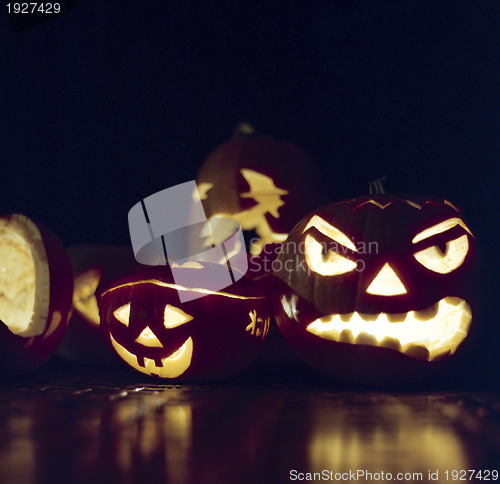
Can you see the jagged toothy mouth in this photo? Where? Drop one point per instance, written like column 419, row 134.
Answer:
column 171, row 367
column 428, row 334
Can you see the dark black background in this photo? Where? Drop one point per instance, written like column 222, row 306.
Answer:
column 115, row 100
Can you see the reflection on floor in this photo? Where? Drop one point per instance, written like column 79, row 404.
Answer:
column 97, row 427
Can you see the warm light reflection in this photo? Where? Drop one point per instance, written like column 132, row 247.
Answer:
column 177, row 427
column 384, row 434
column 123, row 419
column 18, row 460
column 152, row 435
column 426, row 334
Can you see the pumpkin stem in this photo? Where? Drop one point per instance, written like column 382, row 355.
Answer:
column 243, row 129
column 377, row 186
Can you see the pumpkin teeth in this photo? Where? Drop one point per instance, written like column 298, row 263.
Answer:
column 346, row 336
column 368, row 316
column 443, row 354
column 430, row 312
column 345, row 317
column 396, row 317
column 141, row 361
column 365, row 338
column 391, row 343
column 427, row 334
column 454, row 301
column 417, row 351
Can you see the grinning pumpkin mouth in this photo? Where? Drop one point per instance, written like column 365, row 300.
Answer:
column 170, row 367
column 428, row 334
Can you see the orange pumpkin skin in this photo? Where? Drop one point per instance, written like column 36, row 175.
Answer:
column 20, row 354
column 94, row 268
column 336, row 313
column 209, row 338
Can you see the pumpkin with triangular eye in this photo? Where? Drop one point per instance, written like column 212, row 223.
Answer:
column 210, row 335
column 377, row 288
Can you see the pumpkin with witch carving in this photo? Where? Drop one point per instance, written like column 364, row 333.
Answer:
column 265, row 183
column 377, row 288
column 205, row 335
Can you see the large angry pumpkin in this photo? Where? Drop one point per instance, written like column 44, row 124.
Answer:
column 265, row 183
column 36, row 283
column 214, row 335
column 377, row 286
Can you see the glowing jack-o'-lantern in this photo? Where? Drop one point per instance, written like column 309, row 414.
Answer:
column 36, row 284
column 94, row 268
column 375, row 285
column 210, row 337
column 266, row 184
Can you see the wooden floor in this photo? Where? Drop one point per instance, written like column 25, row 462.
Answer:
column 68, row 424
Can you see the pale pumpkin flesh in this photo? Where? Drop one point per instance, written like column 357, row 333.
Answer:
column 24, row 277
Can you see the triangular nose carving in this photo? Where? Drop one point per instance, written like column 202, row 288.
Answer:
column 386, row 283
column 148, row 338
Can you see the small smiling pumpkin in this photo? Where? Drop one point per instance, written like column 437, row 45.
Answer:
column 377, row 288
column 214, row 335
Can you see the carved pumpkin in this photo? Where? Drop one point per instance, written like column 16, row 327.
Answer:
column 209, row 337
column 377, row 286
column 94, row 268
column 36, row 284
column 265, row 183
